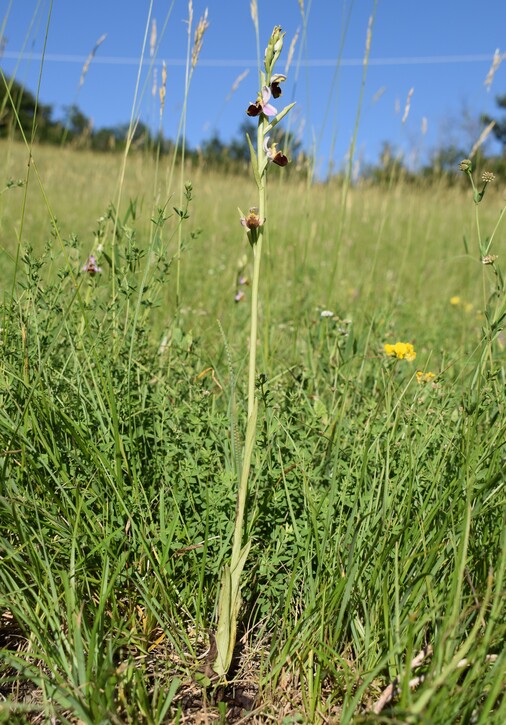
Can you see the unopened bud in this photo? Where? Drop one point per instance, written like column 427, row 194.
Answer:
column 466, row 165
column 273, row 50
column 278, row 45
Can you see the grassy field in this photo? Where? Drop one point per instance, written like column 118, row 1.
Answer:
column 374, row 588
column 239, row 488
column 397, row 249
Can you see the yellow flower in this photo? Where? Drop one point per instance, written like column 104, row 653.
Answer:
column 422, row 377
column 455, row 300
column 401, row 350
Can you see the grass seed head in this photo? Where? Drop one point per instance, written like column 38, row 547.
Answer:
column 90, row 58
column 496, row 62
column 198, row 38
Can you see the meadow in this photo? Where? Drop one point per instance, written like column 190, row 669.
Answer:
column 348, row 450
column 377, row 503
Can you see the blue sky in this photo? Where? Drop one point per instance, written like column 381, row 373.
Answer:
column 442, row 49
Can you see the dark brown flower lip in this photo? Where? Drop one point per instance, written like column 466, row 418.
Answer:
column 262, row 104
column 280, row 159
column 277, row 157
column 276, row 89
column 254, row 109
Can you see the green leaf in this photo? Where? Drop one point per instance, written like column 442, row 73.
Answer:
column 228, row 609
column 278, row 118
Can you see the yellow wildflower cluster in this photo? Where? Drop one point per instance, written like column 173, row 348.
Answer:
column 401, row 350
column 456, row 301
column 422, row 377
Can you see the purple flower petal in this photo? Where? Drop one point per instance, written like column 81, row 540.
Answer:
column 269, row 110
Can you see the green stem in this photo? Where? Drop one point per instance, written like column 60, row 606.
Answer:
column 257, row 256
column 478, row 230
column 242, row 493
column 230, row 596
column 250, row 432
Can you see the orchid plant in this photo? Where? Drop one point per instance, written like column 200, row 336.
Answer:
column 254, row 223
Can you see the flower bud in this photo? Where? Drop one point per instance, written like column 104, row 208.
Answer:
column 278, row 45
column 273, row 50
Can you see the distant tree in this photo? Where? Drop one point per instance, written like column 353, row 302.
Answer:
column 76, row 121
column 499, row 129
column 104, row 139
column 390, row 165
column 447, row 159
column 77, row 127
column 15, row 100
column 214, row 151
column 239, row 148
column 142, row 136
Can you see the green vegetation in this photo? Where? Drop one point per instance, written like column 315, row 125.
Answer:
column 374, row 585
column 377, row 501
